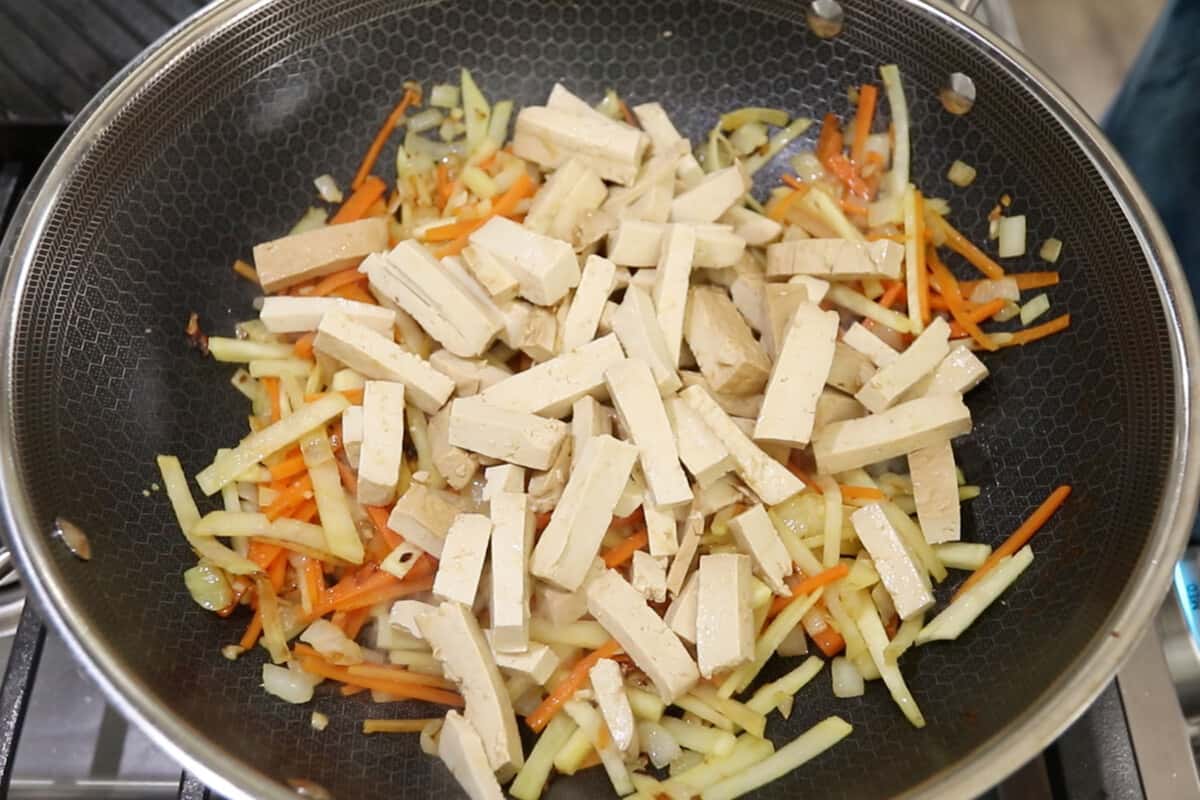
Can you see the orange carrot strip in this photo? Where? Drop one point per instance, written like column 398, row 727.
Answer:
column 263, row 553
column 893, row 293
column 246, row 271
column 303, row 348
column 355, row 620
column 272, row 387
column 314, row 583
column 565, row 688
column 860, row 493
column 389, row 672
column 288, row 468
column 505, row 205
column 841, row 168
column 411, row 98
column 356, row 293
column 443, row 186
column 397, row 688
column 451, row 231
column 289, row 498
column 868, row 94
column 807, row 586
column 619, row 553
column 305, row 512
column 277, row 571
column 1025, row 281
column 779, row 209
column 409, row 586
column 253, row 631
column 331, row 283
column 978, row 314
column 357, row 204
column 944, row 280
column 830, row 140
column 379, row 517
column 961, row 245
column 1040, row 331
column 819, row 627
column 1020, row 536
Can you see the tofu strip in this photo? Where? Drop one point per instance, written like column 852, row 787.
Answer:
column 461, row 564
column 514, row 436
column 671, row 286
column 383, row 443
column 921, row 358
column 897, row 431
column 790, row 403
column 724, row 616
column 512, row 538
column 641, row 410
column 596, row 284
column 552, row 387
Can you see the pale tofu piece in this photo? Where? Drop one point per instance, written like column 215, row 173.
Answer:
column 756, row 229
column 681, row 614
column 776, row 450
column 404, row 613
column 715, row 194
column 382, row 442
column 583, row 318
column 513, row 436
column 662, row 532
column 920, row 359
column 634, row 493
column 501, row 284
column 699, row 448
column 470, row 375
column 738, row 405
column 896, row 567
column 836, row 259
column 566, row 548
column 546, row 487
column 765, row 476
column 456, row 465
column 571, row 190
column 790, row 403
column 423, row 517
column 512, row 539
column 880, row 352
column 461, row 562
column 560, row 606
column 655, row 203
column 935, row 491
column 901, row 429
column 671, row 281
column 833, row 406
column 724, row 614
column 640, row 409
column 606, row 319
column 352, row 434
column 552, row 387
column 460, row 748
column 538, row 662
column 638, row 243
column 457, row 642
column 850, row 369
column 691, row 529
column 642, row 634
column 663, row 136
column 285, row 314
column 531, row 329
column 303, row 256
column 549, row 138
column 503, row 478
column 960, row 372
column 717, row 495
column 649, row 576
column 609, row 690
column 636, row 325
column 780, row 301
column 756, row 536
column 379, row 358
column 748, row 292
column 588, row 419
column 730, row 358
column 545, row 268
column 563, row 99
column 817, row 288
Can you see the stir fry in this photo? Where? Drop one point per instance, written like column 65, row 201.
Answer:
column 569, row 431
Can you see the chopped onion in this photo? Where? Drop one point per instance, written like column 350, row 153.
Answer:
column 1009, row 311
column 808, row 167
column 961, row 174
column 313, row 218
column 444, row 95
column 748, row 138
column 429, row 737
column 846, row 680
column 331, row 642
column 425, row 120
column 794, row 644
column 1004, row 288
column 686, row 760
column 610, row 106
column 290, row 685
column 1035, row 308
column 658, row 744
column 1010, row 231
column 937, row 205
column 319, row 721
column 1051, row 250
column 328, row 189
column 208, row 586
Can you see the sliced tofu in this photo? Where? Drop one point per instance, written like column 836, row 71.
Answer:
column 654, row 648
column 352, row 434
column 636, row 325
column 649, row 576
column 738, row 405
column 960, row 372
column 640, row 409
column 662, row 531
column 609, row 690
column 765, row 476
column 780, row 301
column 778, row 451
column 460, row 748
column 303, row 256
column 730, row 358
column 588, row 419
column 835, row 259
column 633, row 495
column 833, row 406
column 470, row 375
column 671, row 281
column 699, row 448
column 552, row 387
column 754, row 228
column 382, row 443
column 501, row 284
column 563, row 99
column 423, row 517
column 597, row 283
column 637, row 243
column 378, row 357
column 663, row 136
column 404, row 613
column 748, row 292
column 566, row 548
column 790, row 403
column 461, row 562
column 503, row 478
column 531, row 329
column 717, row 495
column 724, row 615
column 544, row 267
column 880, row 352
column 850, row 369
column 817, row 288
column 563, row 607
column 457, row 642
column 920, row 359
column 715, row 194
column 456, row 465
column 513, row 436
column 897, row 570
column 538, row 662
column 899, row 430
column 512, row 539
column 691, row 529
column 300, row 314
column 571, row 190
column 655, row 203
column 681, row 614
column 546, row 487
column 550, row 138
column 935, row 491
column 756, row 537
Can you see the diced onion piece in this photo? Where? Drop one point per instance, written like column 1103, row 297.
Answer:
column 328, row 189
column 429, row 737
column 532, row 778
column 988, row 290
column 959, row 615
column 1010, row 232
column 810, row 744
column 961, row 174
column 208, row 586
column 1009, row 311
column 1051, row 249
column 444, row 95
column 332, row 643
column 659, row 744
column 425, row 120
column 318, row 721
column 289, row 685
column 1035, row 308
column 963, row 555
column 312, row 219
column 846, row 680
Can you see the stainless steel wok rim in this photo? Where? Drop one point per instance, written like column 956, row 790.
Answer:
column 1005, row 752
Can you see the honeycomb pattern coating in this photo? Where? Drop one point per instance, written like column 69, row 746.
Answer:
column 219, row 153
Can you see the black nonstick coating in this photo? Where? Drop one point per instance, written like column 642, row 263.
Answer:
column 219, row 153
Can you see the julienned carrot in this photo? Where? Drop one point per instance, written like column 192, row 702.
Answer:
column 277, row 570
column 1020, row 536
column 295, row 494
column 303, row 348
column 778, row 210
column 830, row 139
column 390, row 672
column 819, row 627
column 355, row 396
column 565, row 688
column 807, row 586
column 412, row 97
column 396, row 688
column 868, row 94
column 305, row 512
column 253, row 630
column 979, row 313
column 288, row 468
column 337, row 280
column 409, row 586
column 314, row 583
column 355, row 620
column 948, row 286
column 963, row 246
column 443, row 187
column 1025, row 281
column 356, row 293
column 1040, row 331
column 379, row 518
column 860, row 492
column 505, row 206
column 263, row 553
column 619, row 553
column 893, row 293
column 841, row 168
column 272, row 387
column 357, row 205
column 451, row 230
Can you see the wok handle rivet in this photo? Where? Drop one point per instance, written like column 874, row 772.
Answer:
column 958, row 95
column 73, row 537
column 825, row 18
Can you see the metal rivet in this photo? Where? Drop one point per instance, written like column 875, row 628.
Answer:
column 958, row 96
column 306, row 788
column 74, row 538
column 825, row 18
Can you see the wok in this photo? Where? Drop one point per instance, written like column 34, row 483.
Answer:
column 209, row 143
